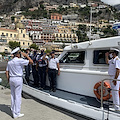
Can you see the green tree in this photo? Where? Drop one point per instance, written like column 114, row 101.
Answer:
column 47, row 51
column 63, row 45
column 13, row 18
column 13, row 44
column 81, row 33
column 82, row 27
column 109, row 32
column 34, row 46
column 42, row 6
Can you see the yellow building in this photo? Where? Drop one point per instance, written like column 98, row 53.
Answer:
column 65, row 34
column 18, row 35
column 19, row 18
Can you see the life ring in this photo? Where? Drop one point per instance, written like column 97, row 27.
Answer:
column 97, row 91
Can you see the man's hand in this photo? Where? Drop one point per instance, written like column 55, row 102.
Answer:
column 24, row 54
column 58, row 72
column 107, row 57
column 7, row 75
column 107, row 54
column 114, row 82
column 48, row 54
column 116, row 76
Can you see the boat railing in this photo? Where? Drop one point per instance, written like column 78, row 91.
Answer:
column 102, row 83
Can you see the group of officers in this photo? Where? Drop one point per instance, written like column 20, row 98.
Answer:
column 42, row 64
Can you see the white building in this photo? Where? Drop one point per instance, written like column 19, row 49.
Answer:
column 70, row 17
column 73, row 4
column 65, row 6
column 82, row 5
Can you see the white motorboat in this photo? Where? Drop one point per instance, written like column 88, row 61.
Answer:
column 82, row 65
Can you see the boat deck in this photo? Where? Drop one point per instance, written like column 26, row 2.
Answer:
column 94, row 102
column 75, row 97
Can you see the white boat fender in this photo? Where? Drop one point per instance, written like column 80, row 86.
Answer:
column 0, row 80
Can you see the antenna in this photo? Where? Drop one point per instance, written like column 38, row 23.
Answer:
column 90, row 24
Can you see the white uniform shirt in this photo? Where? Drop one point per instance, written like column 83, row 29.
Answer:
column 53, row 63
column 113, row 64
column 15, row 67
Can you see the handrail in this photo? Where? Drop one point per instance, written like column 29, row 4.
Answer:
column 102, row 89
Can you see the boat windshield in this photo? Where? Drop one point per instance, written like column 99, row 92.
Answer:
column 73, row 57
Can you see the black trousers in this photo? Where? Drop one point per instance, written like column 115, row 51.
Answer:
column 52, row 78
column 27, row 73
column 42, row 76
column 35, row 75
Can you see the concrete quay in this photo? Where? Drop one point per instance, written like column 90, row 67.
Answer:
column 32, row 109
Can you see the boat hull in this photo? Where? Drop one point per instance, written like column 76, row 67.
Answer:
column 86, row 110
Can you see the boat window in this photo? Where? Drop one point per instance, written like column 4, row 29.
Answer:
column 73, row 57
column 99, row 56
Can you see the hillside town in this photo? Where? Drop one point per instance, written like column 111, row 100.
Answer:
column 52, row 27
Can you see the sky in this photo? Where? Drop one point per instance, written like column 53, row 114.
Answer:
column 111, row 2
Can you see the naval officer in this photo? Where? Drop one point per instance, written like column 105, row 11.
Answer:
column 114, row 73
column 14, row 73
column 53, row 64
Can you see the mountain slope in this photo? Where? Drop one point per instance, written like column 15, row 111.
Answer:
column 7, row 6
column 117, row 7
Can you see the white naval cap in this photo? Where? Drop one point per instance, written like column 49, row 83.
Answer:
column 115, row 49
column 15, row 50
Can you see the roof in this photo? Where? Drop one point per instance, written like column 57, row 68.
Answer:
column 9, row 30
column 96, row 44
column 56, row 14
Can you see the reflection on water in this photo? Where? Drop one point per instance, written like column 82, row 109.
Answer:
column 4, row 79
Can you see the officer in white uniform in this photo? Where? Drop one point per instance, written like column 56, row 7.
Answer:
column 53, row 64
column 14, row 73
column 113, row 71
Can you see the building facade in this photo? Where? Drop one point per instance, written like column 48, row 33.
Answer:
column 65, row 34
column 56, row 16
column 41, row 32
column 18, row 35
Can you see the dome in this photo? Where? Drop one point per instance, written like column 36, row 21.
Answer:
column 19, row 25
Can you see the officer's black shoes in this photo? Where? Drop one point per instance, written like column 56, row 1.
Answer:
column 50, row 90
column 40, row 88
column 54, row 89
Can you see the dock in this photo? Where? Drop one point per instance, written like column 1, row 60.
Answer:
column 32, row 109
